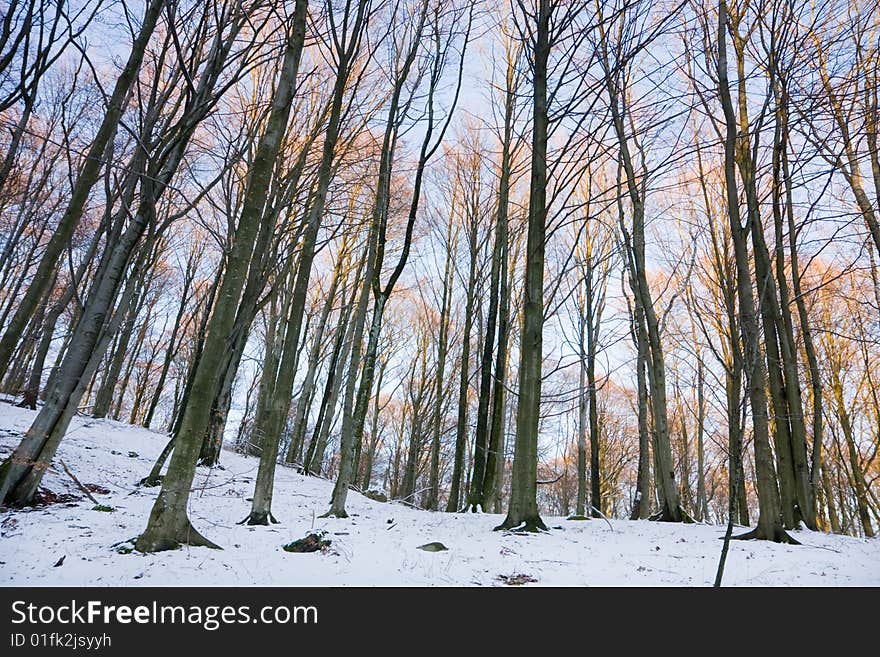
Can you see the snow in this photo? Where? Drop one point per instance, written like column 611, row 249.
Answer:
column 376, row 546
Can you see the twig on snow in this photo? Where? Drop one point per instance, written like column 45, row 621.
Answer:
column 78, row 484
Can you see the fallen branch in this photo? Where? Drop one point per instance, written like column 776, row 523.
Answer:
column 78, row 484
column 602, row 515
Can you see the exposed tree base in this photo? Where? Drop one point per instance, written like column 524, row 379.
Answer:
column 472, row 508
column 28, row 400
column 155, row 477
column 185, row 534
column 666, row 515
column 800, row 522
column 531, row 524
column 42, row 498
column 335, row 513
column 20, row 495
column 262, row 518
column 12, row 503
column 778, row 535
column 636, row 514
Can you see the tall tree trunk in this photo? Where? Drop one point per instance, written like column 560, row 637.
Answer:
column 859, row 485
column 495, row 454
column 353, row 424
column 169, row 525
column 634, row 185
column 482, row 484
column 782, row 194
column 595, row 461
column 171, row 351
column 769, row 517
column 642, row 504
column 461, row 428
column 581, row 499
column 523, row 510
column 306, row 392
column 442, row 347
column 702, row 502
column 282, row 390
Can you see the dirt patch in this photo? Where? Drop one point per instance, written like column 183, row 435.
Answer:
column 314, row 542
column 376, row 496
column 46, row 497
column 516, row 580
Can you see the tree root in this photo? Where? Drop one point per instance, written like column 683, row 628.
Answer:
column 665, row 515
column 151, row 481
column 186, row 534
column 28, row 400
column 532, row 524
column 779, row 536
column 254, row 518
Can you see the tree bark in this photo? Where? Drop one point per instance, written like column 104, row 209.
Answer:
column 169, row 526
column 523, row 509
column 769, row 518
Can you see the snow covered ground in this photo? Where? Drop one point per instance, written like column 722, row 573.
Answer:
column 376, row 546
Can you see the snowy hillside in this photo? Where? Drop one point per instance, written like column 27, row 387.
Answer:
column 376, row 546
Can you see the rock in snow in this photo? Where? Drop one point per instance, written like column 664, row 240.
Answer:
column 436, row 546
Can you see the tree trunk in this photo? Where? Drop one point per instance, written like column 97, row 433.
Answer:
column 171, row 351
column 642, row 504
column 495, row 455
column 282, row 390
column 307, row 390
column 455, row 493
column 523, row 510
column 442, row 346
column 169, row 525
column 86, row 180
column 859, row 485
column 453, row 502
column 769, row 518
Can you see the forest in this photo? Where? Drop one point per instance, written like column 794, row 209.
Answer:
column 610, row 259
